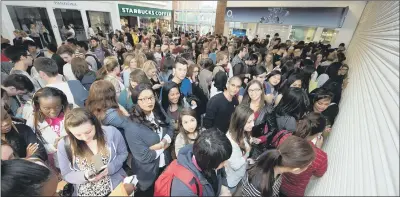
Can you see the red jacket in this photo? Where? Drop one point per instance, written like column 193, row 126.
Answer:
column 296, row 184
column 4, row 58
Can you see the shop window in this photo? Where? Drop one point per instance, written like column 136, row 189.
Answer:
column 99, row 21
column 302, row 33
column 34, row 21
column 66, row 17
column 328, row 36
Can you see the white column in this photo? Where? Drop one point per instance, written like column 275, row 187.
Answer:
column 7, row 26
column 350, row 23
column 317, row 34
column 54, row 24
column 85, row 22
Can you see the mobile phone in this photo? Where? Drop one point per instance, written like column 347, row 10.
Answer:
column 98, row 163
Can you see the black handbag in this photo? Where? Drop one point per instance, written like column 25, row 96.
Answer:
column 67, row 191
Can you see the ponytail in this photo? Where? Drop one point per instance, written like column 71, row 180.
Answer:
column 294, row 152
column 261, row 174
column 310, row 125
column 110, row 63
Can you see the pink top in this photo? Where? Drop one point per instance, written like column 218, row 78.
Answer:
column 55, row 123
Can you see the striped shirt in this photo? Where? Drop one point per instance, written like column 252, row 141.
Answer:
column 296, row 184
column 250, row 190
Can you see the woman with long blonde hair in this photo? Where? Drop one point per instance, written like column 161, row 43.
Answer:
column 110, row 72
column 149, row 67
column 130, row 64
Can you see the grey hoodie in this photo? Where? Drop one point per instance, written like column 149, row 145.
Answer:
column 180, row 189
column 118, row 153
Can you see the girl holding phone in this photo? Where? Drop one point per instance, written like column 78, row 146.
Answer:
column 91, row 156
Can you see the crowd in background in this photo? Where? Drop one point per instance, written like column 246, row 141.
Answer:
column 184, row 114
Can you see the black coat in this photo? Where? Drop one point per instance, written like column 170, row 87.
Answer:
column 20, row 139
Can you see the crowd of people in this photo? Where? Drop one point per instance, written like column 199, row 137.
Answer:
column 183, row 114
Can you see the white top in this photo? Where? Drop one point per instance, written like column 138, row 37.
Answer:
column 65, row 88
column 73, row 33
column 160, row 153
column 213, row 90
column 237, row 163
column 67, row 70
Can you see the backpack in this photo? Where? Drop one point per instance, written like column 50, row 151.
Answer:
column 163, row 185
column 95, row 58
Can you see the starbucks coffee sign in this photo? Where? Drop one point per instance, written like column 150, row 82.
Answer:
column 130, row 10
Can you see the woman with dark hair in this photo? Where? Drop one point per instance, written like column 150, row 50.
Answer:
column 149, row 135
column 294, row 81
column 204, row 54
column 136, row 77
column 80, row 68
column 264, row 119
column 192, row 75
column 271, row 88
column 172, row 100
column 308, row 70
column 188, row 129
column 264, row 178
column 321, row 100
column 21, row 177
column 21, row 138
column 310, row 128
column 259, row 74
column 102, row 102
column 293, row 105
column 47, row 119
column 219, row 85
column 239, row 134
column 205, row 159
column 287, row 69
column 167, row 64
column 91, row 156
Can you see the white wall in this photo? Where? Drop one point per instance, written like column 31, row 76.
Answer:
column 349, row 25
column 363, row 148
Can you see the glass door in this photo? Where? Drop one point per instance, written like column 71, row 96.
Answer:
column 33, row 21
column 70, row 24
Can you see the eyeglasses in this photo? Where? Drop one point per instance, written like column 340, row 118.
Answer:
column 254, row 90
column 147, row 99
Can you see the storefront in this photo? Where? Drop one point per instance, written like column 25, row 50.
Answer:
column 49, row 20
column 144, row 17
column 294, row 23
column 197, row 20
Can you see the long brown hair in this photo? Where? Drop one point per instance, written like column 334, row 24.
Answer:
column 294, row 152
column 191, row 70
column 79, row 67
column 110, row 63
column 246, row 97
column 77, row 117
column 186, row 112
column 310, row 125
column 236, row 127
column 102, row 96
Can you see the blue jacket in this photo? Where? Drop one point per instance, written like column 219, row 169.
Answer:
column 145, row 163
column 180, row 189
